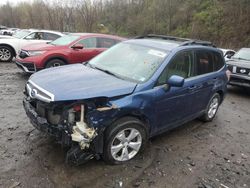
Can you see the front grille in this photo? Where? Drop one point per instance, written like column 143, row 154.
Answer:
column 23, row 54
column 29, row 66
column 35, row 91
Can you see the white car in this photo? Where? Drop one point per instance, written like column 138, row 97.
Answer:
column 10, row 45
column 227, row 53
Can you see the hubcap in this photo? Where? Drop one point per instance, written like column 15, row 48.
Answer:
column 126, row 144
column 213, row 108
column 55, row 65
column 5, row 54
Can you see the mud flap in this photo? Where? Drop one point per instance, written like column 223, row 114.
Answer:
column 75, row 156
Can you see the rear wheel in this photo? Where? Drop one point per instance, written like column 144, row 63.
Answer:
column 6, row 54
column 212, row 108
column 124, row 140
column 55, row 63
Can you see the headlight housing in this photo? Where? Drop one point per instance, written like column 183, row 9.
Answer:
column 36, row 53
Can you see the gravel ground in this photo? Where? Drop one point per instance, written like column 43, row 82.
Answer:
column 203, row 155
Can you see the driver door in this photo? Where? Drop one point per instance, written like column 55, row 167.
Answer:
column 89, row 50
column 172, row 103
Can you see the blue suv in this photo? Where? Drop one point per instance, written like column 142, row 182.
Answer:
column 110, row 106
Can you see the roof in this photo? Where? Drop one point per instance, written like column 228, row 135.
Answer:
column 168, row 43
column 97, row 34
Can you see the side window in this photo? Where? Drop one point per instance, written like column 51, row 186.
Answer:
column 105, row 42
column 180, row 65
column 50, row 36
column 35, row 36
column 89, row 42
column 218, row 61
column 204, row 62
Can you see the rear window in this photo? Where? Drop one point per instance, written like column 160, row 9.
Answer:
column 207, row 61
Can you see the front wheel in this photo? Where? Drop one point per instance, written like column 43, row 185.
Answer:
column 212, row 108
column 54, row 63
column 6, row 54
column 124, row 140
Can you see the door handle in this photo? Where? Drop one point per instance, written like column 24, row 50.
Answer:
column 194, row 87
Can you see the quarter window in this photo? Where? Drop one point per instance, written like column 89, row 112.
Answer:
column 180, row 65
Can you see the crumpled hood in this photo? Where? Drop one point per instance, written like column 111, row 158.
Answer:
column 239, row 63
column 75, row 82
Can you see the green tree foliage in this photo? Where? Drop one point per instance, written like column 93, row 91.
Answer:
column 224, row 22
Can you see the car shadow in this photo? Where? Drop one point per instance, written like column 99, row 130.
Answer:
column 239, row 91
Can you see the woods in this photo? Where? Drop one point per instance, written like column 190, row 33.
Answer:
column 224, row 22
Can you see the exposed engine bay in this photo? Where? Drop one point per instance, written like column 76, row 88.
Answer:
column 77, row 125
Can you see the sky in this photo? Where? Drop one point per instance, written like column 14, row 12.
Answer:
column 13, row 1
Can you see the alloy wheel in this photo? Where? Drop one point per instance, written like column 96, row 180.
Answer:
column 5, row 54
column 126, row 144
column 213, row 107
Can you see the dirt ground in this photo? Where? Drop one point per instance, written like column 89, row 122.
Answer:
column 202, row 155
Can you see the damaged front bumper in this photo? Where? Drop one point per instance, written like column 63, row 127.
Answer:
column 80, row 151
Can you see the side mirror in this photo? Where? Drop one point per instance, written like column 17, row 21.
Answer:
column 175, row 81
column 78, row 46
column 229, row 56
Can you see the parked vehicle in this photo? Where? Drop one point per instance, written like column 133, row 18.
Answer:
column 69, row 49
column 110, row 106
column 8, row 31
column 239, row 65
column 10, row 45
column 227, row 53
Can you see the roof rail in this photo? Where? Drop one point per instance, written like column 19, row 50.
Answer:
column 165, row 37
column 198, row 42
column 185, row 41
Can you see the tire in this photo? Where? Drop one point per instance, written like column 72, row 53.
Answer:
column 212, row 108
column 122, row 150
column 54, row 63
column 6, row 54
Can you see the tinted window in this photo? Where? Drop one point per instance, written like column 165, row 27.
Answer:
column 89, row 42
column 180, row 65
column 218, row 61
column 106, row 42
column 207, row 62
column 204, row 62
column 50, row 36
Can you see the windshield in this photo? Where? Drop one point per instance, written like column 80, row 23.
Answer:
column 130, row 61
column 21, row 34
column 65, row 40
column 243, row 54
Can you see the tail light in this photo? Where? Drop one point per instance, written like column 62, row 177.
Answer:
column 77, row 108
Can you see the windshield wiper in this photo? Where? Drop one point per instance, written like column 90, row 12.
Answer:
column 106, row 71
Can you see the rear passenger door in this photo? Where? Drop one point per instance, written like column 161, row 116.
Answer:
column 204, row 80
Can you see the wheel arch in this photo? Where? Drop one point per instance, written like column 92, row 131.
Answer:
column 9, row 46
column 221, row 93
column 56, row 57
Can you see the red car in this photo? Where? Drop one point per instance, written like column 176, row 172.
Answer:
column 69, row 49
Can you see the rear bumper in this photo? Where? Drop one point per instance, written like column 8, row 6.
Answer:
column 240, row 80
column 27, row 67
